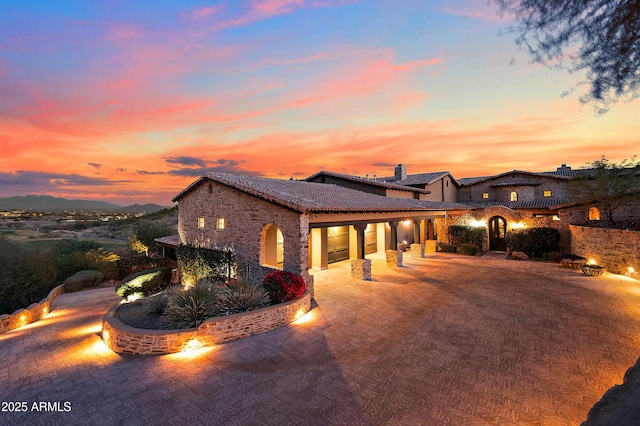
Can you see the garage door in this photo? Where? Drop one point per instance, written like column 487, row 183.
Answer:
column 370, row 239
column 338, row 243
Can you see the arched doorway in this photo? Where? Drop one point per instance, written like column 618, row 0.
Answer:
column 272, row 247
column 497, row 232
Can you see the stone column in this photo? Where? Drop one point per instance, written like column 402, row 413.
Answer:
column 360, row 227
column 416, row 231
column 394, row 235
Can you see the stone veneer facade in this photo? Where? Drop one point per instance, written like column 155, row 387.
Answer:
column 615, row 249
column 524, row 218
column 122, row 338
column 33, row 313
column 246, row 218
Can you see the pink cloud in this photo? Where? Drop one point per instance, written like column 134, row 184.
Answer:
column 202, row 13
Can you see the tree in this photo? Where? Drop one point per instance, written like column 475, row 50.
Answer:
column 599, row 37
column 609, row 185
column 144, row 234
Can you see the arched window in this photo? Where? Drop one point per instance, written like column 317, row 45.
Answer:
column 514, row 196
column 594, row 213
column 272, row 246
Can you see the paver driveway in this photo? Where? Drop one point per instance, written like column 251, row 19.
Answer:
column 444, row 340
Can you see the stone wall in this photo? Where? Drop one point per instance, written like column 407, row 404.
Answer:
column 33, row 313
column 533, row 191
column 615, row 249
column 122, row 338
column 246, row 217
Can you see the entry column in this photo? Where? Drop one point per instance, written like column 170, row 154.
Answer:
column 393, row 255
column 360, row 267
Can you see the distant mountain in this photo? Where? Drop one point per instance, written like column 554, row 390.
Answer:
column 49, row 203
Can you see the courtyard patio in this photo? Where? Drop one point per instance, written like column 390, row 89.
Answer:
column 448, row 339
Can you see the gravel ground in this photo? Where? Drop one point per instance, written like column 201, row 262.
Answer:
column 142, row 313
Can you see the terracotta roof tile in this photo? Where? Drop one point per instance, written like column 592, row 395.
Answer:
column 305, row 196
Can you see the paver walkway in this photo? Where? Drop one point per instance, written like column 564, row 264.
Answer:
column 444, row 340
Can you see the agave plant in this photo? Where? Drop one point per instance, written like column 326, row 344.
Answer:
column 241, row 295
column 189, row 308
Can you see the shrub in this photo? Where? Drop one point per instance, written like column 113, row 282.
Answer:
column 534, row 241
column 142, row 240
column 26, row 276
column 459, row 234
column 82, row 280
column 468, row 249
column 145, row 283
column 197, row 263
column 447, row 248
column 241, row 295
column 282, row 286
column 73, row 255
column 134, row 264
column 190, row 308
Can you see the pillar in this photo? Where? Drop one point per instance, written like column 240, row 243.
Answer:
column 394, row 235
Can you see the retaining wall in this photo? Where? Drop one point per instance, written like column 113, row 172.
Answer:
column 33, row 313
column 122, row 338
column 615, row 249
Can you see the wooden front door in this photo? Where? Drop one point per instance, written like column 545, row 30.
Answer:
column 338, row 243
column 497, row 232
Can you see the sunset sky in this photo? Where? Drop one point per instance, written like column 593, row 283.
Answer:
column 131, row 101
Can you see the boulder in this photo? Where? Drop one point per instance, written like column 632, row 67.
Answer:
column 518, row 255
column 83, row 279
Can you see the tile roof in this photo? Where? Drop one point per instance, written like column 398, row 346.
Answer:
column 170, row 240
column 550, row 204
column 305, row 196
column 374, row 182
column 515, row 183
column 473, row 180
column 420, row 178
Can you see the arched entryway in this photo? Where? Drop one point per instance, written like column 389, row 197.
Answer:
column 497, row 232
column 272, row 246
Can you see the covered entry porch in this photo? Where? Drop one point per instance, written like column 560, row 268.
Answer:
column 336, row 237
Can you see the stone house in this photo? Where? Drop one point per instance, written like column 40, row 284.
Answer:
column 297, row 225
column 441, row 186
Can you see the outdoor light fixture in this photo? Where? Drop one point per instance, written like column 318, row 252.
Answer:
column 477, row 223
column 517, row 225
column 406, row 222
column 193, row 344
column 592, row 262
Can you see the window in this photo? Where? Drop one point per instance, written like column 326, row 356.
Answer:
column 485, row 195
column 201, row 222
column 594, row 213
column 220, row 223
column 514, row 196
column 547, row 193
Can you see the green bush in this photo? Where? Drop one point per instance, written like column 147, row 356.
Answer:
column 534, row 241
column 145, row 283
column 196, row 263
column 447, row 248
column 460, row 234
column 189, row 308
column 134, row 264
column 26, row 276
column 73, row 255
column 468, row 249
column 241, row 295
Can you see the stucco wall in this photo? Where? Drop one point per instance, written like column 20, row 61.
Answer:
column 245, row 218
column 615, row 249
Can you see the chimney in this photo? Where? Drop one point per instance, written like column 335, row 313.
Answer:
column 400, row 172
column 563, row 170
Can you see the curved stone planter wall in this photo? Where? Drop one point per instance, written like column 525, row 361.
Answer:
column 122, row 338
column 33, row 313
